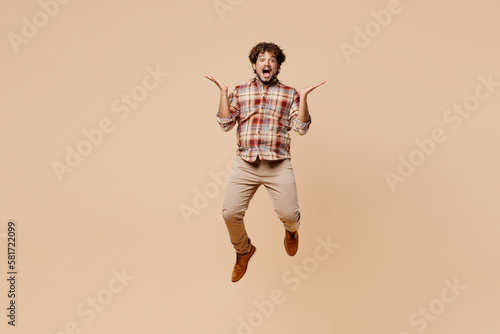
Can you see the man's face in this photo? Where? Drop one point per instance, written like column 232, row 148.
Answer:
column 266, row 67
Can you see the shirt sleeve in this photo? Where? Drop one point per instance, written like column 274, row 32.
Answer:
column 228, row 123
column 297, row 125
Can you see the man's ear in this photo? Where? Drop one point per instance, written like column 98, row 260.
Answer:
column 254, row 66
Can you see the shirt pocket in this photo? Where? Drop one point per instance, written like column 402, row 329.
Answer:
column 247, row 111
column 279, row 114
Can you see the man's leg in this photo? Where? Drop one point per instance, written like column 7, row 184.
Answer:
column 243, row 184
column 279, row 181
column 241, row 187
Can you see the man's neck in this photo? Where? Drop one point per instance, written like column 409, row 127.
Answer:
column 270, row 83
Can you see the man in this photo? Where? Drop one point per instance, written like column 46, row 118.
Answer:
column 265, row 111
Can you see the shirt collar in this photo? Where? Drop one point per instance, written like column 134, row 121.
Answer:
column 261, row 86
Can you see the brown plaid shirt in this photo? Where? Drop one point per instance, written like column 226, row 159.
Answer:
column 264, row 115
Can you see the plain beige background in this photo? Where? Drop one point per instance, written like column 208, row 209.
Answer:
column 121, row 208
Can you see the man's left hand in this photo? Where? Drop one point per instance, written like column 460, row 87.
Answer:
column 309, row 89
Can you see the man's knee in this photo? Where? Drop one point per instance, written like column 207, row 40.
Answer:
column 232, row 215
column 289, row 217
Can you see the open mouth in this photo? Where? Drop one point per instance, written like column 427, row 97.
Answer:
column 266, row 72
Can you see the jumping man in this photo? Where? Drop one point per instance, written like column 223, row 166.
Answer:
column 265, row 110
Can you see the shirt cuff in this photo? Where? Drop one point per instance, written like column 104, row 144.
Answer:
column 225, row 120
column 302, row 125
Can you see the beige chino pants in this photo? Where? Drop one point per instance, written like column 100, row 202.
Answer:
column 277, row 176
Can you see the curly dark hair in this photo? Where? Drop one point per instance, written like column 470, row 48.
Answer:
column 267, row 47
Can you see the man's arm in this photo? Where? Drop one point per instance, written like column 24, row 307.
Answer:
column 303, row 114
column 223, row 104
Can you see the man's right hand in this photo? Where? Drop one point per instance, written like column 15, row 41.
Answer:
column 219, row 83
column 224, row 104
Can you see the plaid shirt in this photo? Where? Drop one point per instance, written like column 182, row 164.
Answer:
column 264, row 116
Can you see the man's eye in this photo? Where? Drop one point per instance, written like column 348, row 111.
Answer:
column 272, row 60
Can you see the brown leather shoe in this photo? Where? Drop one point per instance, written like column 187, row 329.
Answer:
column 240, row 267
column 291, row 242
